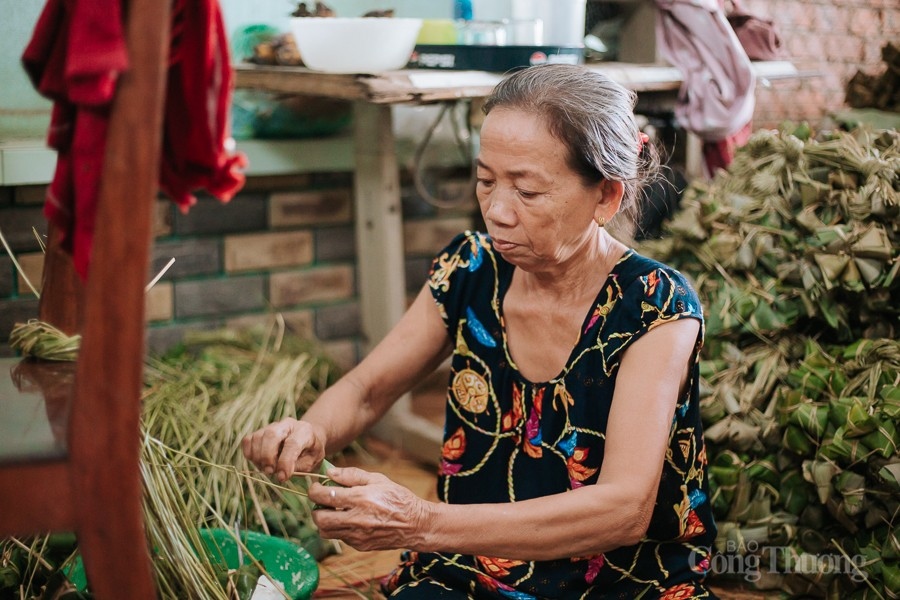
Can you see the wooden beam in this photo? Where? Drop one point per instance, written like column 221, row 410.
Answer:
column 105, row 439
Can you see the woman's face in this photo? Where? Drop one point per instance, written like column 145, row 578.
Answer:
column 537, row 210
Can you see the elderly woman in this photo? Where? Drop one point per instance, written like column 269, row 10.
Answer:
column 573, row 464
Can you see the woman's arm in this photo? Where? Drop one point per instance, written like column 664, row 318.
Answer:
column 589, row 520
column 411, row 350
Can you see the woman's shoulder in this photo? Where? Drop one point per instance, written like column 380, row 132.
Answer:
column 470, row 249
column 636, row 266
column 656, row 282
column 467, row 243
column 469, row 256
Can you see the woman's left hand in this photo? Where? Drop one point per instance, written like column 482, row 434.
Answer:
column 371, row 511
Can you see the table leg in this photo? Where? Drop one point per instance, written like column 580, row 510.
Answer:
column 380, row 264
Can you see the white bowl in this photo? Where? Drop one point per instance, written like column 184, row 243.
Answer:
column 355, row 45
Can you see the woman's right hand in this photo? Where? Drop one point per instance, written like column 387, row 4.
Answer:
column 285, row 447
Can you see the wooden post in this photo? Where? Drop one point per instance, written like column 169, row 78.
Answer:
column 62, row 293
column 379, row 242
column 104, row 432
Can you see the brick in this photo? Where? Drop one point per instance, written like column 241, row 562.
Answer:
column 812, row 45
column 865, row 22
column 162, row 339
column 160, row 302
column 335, row 243
column 797, row 17
column 245, row 212
column 192, row 257
column 429, row 236
column 162, row 218
column 298, row 322
column 249, row 322
column 331, row 179
column 32, row 265
column 311, row 285
column 29, row 195
column 344, row 353
column 16, row 311
column 871, row 54
column 269, row 183
column 219, row 296
column 268, row 250
column 7, row 276
column 321, row 207
column 826, row 15
column 17, row 227
column 340, row 321
column 891, row 23
column 846, row 47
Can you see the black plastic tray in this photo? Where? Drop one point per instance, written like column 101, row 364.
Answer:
column 491, row 58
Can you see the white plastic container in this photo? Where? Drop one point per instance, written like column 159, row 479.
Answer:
column 563, row 20
column 355, row 45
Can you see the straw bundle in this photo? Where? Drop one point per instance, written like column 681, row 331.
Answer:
column 206, row 396
column 794, row 252
column 199, row 401
column 42, row 340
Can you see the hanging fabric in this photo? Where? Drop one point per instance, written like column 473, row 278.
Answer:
column 75, row 57
column 716, row 99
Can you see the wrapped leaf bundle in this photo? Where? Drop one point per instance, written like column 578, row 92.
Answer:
column 794, row 251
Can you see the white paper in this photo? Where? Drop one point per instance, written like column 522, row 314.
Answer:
column 265, row 589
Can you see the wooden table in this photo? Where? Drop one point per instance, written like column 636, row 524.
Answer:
column 378, row 219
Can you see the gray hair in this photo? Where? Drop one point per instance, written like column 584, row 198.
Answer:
column 592, row 115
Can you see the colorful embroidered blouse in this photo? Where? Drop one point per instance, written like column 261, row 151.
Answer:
column 508, row 439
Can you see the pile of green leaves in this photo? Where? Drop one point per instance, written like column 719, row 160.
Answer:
column 794, row 252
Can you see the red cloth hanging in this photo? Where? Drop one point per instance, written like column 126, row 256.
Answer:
column 75, row 57
column 198, row 100
column 716, row 99
column 718, row 154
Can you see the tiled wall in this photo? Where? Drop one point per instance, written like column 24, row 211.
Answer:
column 829, row 40
column 284, row 244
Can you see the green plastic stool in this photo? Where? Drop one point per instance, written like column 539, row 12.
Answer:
column 285, row 561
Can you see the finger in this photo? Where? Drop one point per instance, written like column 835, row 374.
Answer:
column 247, row 446
column 253, row 453
column 329, row 523
column 353, row 476
column 256, row 449
column 270, row 442
column 291, row 452
column 327, row 495
column 308, row 461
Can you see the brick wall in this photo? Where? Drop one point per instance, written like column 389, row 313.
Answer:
column 830, row 39
column 284, row 244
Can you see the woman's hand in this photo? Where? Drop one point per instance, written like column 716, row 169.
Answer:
column 372, row 512
column 285, row 447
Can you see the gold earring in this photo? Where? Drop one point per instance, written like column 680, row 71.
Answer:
column 601, row 221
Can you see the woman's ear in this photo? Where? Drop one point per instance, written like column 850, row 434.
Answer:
column 611, row 194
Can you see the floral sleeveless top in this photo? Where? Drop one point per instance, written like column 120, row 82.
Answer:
column 508, row 439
